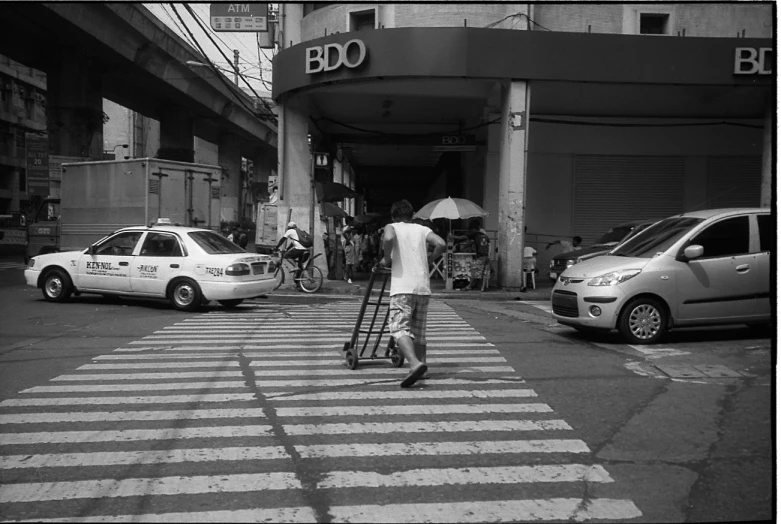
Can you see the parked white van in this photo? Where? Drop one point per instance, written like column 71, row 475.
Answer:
column 699, row 268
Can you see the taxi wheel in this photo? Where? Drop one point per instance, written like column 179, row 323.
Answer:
column 186, row 295
column 643, row 321
column 57, row 286
column 231, row 303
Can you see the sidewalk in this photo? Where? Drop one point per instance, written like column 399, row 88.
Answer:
column 361, row 280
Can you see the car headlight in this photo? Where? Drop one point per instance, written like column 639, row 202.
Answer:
column 237, row 270
column 614, row 277
column 552, row 264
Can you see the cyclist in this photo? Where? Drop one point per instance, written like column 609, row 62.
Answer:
column 293, row 248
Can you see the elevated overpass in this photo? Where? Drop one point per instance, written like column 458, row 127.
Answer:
column 122, row 52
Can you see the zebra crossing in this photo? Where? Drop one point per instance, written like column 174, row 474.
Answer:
column 250, row 415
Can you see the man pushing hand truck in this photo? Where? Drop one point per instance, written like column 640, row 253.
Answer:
column 405, row 251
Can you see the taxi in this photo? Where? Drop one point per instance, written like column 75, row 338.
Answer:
column 184, row 265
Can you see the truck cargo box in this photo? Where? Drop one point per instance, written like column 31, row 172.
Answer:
column 98, row 198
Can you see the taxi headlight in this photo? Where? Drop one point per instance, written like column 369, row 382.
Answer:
column 614, row 277
column 237, row 270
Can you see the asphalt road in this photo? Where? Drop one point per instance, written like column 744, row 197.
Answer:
column 679, row 432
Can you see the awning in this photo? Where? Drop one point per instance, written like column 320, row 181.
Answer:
column 333, row 192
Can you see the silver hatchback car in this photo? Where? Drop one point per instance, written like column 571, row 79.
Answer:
column 699, row 268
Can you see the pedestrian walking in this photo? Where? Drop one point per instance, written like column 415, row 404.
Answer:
column 240, row 237
column 405, row 251
column 349, row 258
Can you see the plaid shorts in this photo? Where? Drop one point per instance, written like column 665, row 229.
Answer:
column 408, row 314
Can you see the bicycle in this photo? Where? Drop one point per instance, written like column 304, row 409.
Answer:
column 309, row 281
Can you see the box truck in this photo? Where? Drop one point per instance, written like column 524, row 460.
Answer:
column 97, row 198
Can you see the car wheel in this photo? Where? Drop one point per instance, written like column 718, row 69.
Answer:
column 231, row 303
column 57, row 286
column 643, row 321
column 186, row 295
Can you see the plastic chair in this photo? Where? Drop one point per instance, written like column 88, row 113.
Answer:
column 529, row 268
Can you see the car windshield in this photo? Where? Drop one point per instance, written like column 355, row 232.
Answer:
column 657, row 238
column 616, row 234
column 214, row 243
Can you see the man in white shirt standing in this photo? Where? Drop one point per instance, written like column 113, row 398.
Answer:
column 405, row 251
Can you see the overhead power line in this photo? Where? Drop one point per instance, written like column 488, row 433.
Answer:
column 201, row 25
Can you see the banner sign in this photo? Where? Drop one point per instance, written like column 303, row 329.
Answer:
column 37, row 164
column 251, row 17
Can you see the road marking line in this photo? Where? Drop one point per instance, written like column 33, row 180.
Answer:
column 303, row 354
column 475, row 447
column 267, row 363
column 572, row 509
column 120, row 416
column 283, row 396
column 432, row 427
column 417, row 409
column 146, row 487
column 468, row 475
column 169, row 346
column 128, row 458
column 169, row 399
column 149, row 376
column 132, row 435
column 370, row 370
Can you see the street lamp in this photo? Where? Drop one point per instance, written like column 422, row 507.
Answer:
column 120, row 145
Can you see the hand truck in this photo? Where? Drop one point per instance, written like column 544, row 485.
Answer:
column 352, row 352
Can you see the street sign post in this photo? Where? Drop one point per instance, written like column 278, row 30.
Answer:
column 249, row 17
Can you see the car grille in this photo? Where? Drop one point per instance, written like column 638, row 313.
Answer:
column 258, row 268
column 565, row 303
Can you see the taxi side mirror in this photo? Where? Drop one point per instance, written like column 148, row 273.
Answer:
column 93, row 249
column 692, row 252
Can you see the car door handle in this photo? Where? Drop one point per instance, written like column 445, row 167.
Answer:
column 742, row 268
column 124, row 263
column 174, row 266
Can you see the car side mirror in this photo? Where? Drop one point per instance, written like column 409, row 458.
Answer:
column 93, row 249
column 693, row 251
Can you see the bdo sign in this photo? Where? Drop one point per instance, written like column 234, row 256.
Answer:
column 332, row 56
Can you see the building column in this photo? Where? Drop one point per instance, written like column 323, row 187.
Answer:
column 176, row 134
column 766, row 193
column 75, row 107
column 512, row 182
column 296, row 194
column 229, row 158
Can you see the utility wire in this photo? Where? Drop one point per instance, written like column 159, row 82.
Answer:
column 270, row 115
column 219, row 75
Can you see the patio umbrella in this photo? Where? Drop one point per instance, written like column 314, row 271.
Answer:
column 332, row 210
column 366, row 218
column 451, row 208
column 333, row 192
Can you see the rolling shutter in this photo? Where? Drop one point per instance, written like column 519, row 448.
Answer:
column 734, row 181
column 610, row 190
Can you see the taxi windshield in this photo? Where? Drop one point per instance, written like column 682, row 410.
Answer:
column 656, row 239
column 214, row 243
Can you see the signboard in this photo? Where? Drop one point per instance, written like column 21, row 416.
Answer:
column 753, row 61
column 37, row 164
column 321, row 159
column 251, row 17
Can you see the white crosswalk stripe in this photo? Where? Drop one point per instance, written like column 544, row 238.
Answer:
column 254, row 413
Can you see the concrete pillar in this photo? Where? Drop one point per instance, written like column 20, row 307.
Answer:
column 229, row 158
column 292, row 14
column 295, row 177
column 176, row 134
column 512, row 182
column 74, row 106
column 766, row 193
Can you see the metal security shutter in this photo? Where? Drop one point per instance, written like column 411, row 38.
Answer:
column 734, row 181
column 610, row 190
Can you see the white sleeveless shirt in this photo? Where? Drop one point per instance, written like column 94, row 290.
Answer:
column 409, row 270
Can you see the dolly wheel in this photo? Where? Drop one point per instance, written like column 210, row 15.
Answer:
column 397, row 359
column 351, row 358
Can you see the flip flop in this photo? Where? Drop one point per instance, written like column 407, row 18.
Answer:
column 414, row 375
